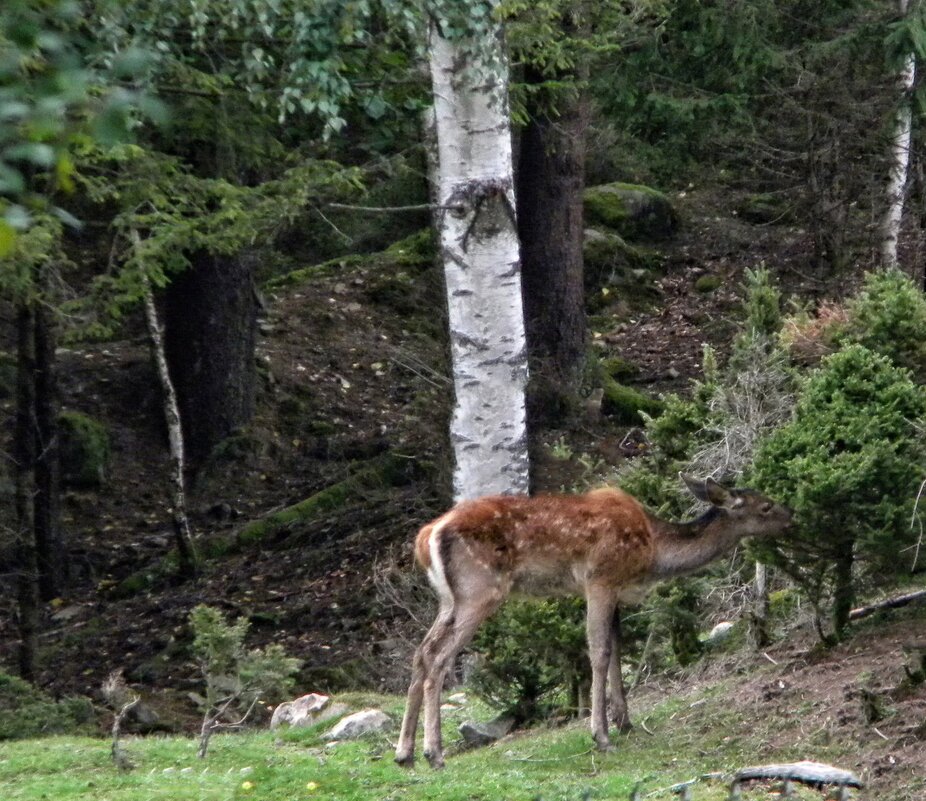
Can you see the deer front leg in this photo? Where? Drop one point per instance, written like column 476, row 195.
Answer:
column 620, row 717
column 599, row 615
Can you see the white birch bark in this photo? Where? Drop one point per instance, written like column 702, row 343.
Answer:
column 900, row 158
column 480, row 252
column 185, row 547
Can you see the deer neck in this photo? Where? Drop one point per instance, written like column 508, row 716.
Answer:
column 684, row 547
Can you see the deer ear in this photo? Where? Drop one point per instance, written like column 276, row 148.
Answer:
column 719, row 496
column 708, row 491
column 695, row 487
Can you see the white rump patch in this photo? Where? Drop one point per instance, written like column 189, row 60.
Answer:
column 436, row 573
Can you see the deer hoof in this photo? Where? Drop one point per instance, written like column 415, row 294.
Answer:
column 623, row 725
column 405, row 760
column 435, row 759
column 605, row 746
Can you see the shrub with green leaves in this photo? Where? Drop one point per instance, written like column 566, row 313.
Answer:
column 229, row 668
column 849, row 464
column 25, row 711
column 534, row 658
column 888, row 316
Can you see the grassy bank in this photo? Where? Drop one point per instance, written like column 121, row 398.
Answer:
column 691, row 735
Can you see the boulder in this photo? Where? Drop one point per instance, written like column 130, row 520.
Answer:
column 302, row 711
column 635, row 212
column 477, row 734
column 367, row 721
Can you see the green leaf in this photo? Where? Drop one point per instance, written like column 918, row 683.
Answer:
column 7, row 238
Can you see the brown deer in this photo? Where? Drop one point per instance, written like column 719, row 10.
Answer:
column 602, row 544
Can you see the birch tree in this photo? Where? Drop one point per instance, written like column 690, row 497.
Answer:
column 900, row 148
column 478, row 236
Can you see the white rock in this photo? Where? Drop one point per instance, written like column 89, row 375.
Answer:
column 303, row 711
column 720, row 632
column 360, row 723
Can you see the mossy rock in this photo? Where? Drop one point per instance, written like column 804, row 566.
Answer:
column 627, row 405
column 635, row 212
column 85, row 450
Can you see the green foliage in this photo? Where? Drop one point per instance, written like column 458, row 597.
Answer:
column 85, row 450
column 635, row 212
column 229, row 668
column 27, row 712
column 888, row 316
column 626, row 404
column 675, row 608
column 849, row 464
column 54, row 93
column 533, row 658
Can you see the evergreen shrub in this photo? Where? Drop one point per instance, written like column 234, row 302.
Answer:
column 25, row 711
column 849, row 464
column 534, row 658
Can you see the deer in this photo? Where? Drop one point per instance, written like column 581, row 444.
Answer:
column 601, row 544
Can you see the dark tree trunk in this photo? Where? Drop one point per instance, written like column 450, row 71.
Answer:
column 210, row 336
column 52, row 560
column 550, row 181
column 24, row 439
column 843, row 590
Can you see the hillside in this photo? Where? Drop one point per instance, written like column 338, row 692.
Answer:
column 353, row 397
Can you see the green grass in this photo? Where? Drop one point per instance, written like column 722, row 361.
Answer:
column 553, row 764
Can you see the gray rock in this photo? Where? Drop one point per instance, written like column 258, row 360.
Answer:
column 367, row 721
column 302, row 711
column 478, row 734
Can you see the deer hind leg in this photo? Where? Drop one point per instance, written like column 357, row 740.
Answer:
column 620, row 717
column 599, row 618
column 424, row 657
column 479, row 596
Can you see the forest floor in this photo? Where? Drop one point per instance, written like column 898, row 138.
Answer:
column 352, row 364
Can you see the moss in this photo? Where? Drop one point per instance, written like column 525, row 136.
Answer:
column 625, row 404
column 306, row 275
column 417, row 250
column 387, row 471
column 618, row 368
column 84, row 450
column 633, row 211
column 708, row 283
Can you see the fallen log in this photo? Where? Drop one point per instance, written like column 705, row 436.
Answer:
column 811, row 773
column 889, row 603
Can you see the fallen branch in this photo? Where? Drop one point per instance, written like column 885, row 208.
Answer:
column 394, row 209
column 890, row 603
column 810, row 773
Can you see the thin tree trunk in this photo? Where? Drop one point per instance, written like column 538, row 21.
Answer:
column 479, row 248
column 900, row 157
column 24, row 459
column 760, row 607
column 49, row 541
column 186, row 549
column 550, row 181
